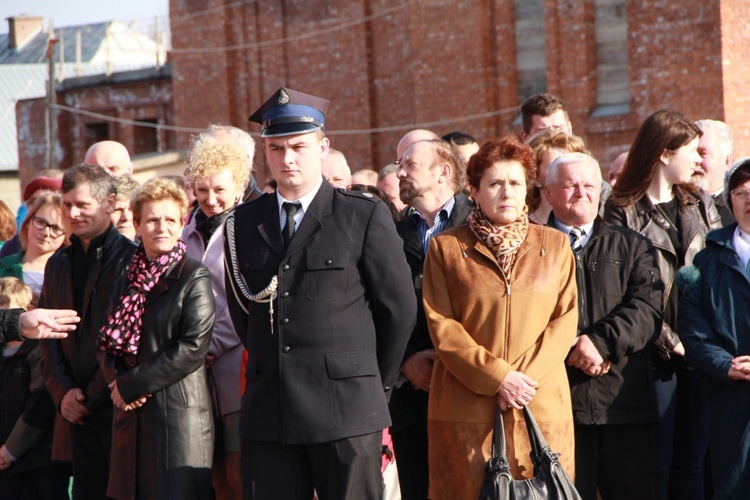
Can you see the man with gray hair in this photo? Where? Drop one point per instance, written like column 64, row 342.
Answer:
column 245, row 142
column 619, row 315
column 716, row 150
column 335, row 169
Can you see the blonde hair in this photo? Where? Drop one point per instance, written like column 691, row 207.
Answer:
column 13, row 293
column 158, row 189
column 209, row 155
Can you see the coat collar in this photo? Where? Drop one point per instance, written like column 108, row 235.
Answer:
column 172, row 274
column 408, row 230
column 270, row 230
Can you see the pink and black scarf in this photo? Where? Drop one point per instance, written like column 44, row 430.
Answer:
column 121, row 334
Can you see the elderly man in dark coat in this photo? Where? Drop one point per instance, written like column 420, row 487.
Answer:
column 609, row 368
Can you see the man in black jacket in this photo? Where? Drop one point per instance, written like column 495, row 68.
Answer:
column 82, row 277
column 320, row 295
column 619, row 315
column 430, row 176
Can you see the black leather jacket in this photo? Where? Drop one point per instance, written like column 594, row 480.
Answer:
column 698, row 215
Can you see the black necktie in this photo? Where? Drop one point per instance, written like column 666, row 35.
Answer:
column 575, row 239
column 290, row 209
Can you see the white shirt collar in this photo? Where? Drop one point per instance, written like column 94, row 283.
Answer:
column 305, row 200
column 588, row 229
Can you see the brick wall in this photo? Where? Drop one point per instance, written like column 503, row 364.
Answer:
column 438, row 61
column 135, row 101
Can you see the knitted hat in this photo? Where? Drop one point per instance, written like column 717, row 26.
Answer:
column 41, row 183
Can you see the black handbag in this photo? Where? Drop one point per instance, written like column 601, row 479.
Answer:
column 550, row 480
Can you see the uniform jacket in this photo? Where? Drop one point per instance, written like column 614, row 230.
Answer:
column 698, row 215
column 165, row 448
column 71, row 362
column 619, row 308
column 483, row 327
column 27, row 413
column 715, row 327
column 225, row 344
column 408, row 405
column 343, row 315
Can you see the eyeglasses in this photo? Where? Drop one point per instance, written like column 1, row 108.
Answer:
column 41, row 224
column 739, row 194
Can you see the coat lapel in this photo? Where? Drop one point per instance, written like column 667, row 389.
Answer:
column 320, row 208
column 269, row 227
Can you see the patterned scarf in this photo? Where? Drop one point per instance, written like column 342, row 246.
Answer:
column 502, row 241
column 121, row 334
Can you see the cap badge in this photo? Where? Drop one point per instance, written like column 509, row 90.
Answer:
column 283, row 97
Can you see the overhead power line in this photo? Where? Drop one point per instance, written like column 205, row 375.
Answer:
column 393, row 128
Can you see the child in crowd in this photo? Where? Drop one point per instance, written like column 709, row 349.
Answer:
column 27, row 414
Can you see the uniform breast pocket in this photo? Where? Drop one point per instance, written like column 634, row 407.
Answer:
column 252, row 262
column 327, row 277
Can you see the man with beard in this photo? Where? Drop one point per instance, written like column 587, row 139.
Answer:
column 431, row 176
column 715, row 148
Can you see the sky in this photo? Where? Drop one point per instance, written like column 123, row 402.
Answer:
column 75, row 12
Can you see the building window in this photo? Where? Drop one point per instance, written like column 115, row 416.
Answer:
column 612, row 81
column 531, row 53
column 96, row 132
column 146, row 139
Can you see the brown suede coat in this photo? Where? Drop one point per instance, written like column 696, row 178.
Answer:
column 481, row 332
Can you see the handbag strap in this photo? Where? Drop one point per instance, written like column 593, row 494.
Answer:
column 498, row 462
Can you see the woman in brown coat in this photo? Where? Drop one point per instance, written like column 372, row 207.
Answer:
column 500, row 298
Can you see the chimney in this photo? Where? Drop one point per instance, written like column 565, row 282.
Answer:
column 22, row 29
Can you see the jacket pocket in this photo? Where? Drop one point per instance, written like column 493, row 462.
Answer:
column 355, row 390
column 327, row 276
column 179, row 394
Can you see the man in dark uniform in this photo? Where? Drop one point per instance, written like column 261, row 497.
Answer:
column 431, row 176
column 320, row 294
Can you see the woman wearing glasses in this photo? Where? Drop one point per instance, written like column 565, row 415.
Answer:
column 654, row 197
column 43, row 231
column 714, row 326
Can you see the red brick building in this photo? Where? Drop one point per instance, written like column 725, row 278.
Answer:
column 391, row 65
column 141, row 96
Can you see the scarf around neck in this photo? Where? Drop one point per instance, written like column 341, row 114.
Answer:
column 121, row 334
column 502, row 241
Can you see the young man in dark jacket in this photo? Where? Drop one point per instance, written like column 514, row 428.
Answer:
column 619, row 315
column 83, row 277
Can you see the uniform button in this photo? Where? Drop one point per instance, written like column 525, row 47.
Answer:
column 285, row 349
column 329, row 262
column 387, row 388
column 284, row 295
column 285, row 267
column 285, row 321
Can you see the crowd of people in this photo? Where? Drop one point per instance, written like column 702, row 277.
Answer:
column 201, row 336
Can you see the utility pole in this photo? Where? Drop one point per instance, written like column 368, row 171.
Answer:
column 51, row 122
